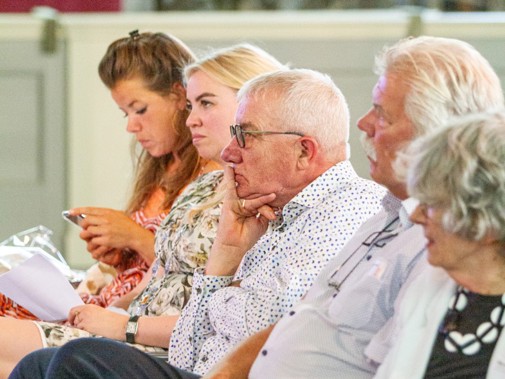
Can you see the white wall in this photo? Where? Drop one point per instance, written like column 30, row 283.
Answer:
column 341, row 43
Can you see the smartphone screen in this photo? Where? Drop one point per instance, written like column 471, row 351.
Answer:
column 74, row 219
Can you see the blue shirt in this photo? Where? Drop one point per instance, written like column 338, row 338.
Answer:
column 325, row 334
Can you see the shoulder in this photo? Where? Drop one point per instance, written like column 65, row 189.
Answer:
column 208, row 180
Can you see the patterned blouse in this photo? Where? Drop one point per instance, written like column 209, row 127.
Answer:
column 183, row 241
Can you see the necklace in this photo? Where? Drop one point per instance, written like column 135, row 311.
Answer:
column 376, row 239
column 470, row 343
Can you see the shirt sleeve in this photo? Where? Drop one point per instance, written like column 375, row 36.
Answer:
column 194, row 326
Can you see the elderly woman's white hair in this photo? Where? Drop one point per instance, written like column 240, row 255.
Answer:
column 441, row 85
column 461, row 168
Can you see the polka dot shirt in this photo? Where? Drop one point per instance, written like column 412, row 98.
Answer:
column 277, row 271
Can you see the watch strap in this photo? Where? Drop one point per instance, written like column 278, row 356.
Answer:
column 131, row 329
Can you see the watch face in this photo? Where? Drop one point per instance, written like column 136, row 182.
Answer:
column 131, row 327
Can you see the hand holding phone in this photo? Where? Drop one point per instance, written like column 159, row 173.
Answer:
column 74, row 219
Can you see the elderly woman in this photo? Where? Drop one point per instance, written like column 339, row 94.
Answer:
column 450, row 318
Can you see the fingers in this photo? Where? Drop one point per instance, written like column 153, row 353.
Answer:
column 101, row 251
column 112, row 257
column 76, row 317
column 73, row 315
column 268, row 212
column 85, row 234
column 256, row 207
column 229, row 182
column 88, row 210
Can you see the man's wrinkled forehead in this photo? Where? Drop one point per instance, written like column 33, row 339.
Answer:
column 249, row 113
column 379, row 87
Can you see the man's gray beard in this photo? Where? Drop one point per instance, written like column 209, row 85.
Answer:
column 368, row 146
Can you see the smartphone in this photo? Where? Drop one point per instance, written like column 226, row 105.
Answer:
column 74, row 219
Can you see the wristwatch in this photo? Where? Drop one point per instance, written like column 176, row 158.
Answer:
column 131, row 329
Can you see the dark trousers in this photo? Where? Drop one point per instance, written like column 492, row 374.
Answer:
column 88, row 358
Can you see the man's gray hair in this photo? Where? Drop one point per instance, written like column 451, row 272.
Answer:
column 460, row 167
column 304, row 101
column 447, row 77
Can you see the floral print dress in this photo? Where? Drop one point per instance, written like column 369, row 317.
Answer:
column 183, row 242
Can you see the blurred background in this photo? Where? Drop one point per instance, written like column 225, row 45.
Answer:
column 191, row 5
column 62, row 139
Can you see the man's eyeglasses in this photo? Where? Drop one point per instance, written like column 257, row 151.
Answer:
column 237, row 132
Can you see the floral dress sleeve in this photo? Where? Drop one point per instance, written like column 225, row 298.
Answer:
column 183, row 242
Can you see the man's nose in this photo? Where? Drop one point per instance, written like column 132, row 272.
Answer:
column 366, row 123
column 231, row 152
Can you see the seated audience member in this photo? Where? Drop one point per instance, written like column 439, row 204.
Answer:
column 423, row 82
column 292, row 200
column 184, row 237
column 455, row 309
column 141, row 68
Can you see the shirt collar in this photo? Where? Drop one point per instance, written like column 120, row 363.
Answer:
column 395, row 207
column 408, row 206
column 329, row 182
column 391, row 205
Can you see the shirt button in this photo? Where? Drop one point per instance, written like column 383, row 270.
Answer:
column 291, row 313
column 204, row 358
column 264, row 352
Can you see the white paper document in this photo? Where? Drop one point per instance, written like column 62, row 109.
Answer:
column 41, row 288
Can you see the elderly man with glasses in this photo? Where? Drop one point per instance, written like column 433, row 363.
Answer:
column 292, row 202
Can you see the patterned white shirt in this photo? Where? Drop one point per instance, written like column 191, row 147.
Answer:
column 325, row 334
column 277, row 271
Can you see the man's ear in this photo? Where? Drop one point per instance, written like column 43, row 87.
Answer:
column 179, row 90
column 307, row 149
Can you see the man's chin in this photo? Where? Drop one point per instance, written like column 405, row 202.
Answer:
column 242, row 192
column 246, row 194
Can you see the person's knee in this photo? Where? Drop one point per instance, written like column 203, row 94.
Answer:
column 34, row 365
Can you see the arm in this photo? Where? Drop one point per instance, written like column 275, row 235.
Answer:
column 238, row 229
column 152, row 331
column 105, row 230
column 238, row 363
